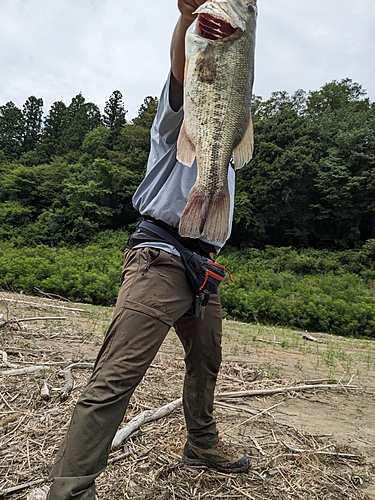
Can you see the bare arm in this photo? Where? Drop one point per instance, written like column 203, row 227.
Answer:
column 186, row 7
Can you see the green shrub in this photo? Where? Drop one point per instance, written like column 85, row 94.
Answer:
column 86, row 274
column 308, row 289
column 311, row 290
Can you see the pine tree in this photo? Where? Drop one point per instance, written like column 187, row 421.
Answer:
column 11, row 130
column 32, row 115
column 114, row 112
column 54, row 125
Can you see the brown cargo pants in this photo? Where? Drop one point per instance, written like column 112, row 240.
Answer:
column 154, row 295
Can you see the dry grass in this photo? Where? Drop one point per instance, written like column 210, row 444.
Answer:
column 287, row 463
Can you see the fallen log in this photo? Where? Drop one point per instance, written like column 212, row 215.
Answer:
column 144, row 417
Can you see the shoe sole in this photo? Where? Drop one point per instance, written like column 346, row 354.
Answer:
column 212, row 465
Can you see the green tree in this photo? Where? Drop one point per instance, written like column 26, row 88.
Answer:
column 274, row 191
column 11, row 130
column 96, row 141
column 82, row 117
column 55, row 124
column 32, row 115
column 114, row 111
column 311, row 181
column 344, row 121
column 146, row 112
column 114, row 118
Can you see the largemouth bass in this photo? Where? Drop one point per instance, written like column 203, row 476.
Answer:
column 217, row 124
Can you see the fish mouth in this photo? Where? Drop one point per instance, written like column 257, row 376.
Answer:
column 213, row 28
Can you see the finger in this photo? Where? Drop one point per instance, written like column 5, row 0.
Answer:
column 187, row 7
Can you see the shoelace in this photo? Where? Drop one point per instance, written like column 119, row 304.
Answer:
column 225, row 448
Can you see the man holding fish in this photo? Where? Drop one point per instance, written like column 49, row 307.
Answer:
column 202, row 133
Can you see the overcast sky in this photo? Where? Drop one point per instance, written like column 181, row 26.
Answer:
column 55, row 49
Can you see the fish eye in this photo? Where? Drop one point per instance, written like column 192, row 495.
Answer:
column 250, row 6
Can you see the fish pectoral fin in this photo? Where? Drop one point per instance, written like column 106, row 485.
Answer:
column 243, row 153
column 185, row 149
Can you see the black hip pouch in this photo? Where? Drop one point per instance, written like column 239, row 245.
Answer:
column 204, row 274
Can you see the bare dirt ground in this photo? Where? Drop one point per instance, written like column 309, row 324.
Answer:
column 314, row 442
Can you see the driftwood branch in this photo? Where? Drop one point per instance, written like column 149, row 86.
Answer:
column 23, row 371
column 68, row 376
column 69, row 383
column 144, row 417
column 320, row 452
column 257, row 445
column 79, row 364
column 45, row 391
column 268, row 341
column 307, row 336
column 150, row 415
column 53, row 296
column 35, row 318
column 4, row 355
column 295, row 451
column 113, row 460
column 236, row 408
column 42, row 305
column 277, row 390
column 20, row 487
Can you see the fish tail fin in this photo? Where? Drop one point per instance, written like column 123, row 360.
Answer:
column 194, row 215
column 185, row 149
column 206, row 216
column 216, row 225
column 243, row 152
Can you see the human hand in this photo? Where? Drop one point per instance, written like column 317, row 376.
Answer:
column 187, row 7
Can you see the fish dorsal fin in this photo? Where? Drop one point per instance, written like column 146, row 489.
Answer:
column 185, row 149
column 243, row 153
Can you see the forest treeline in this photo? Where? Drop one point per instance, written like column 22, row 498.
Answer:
column 302, row 251
column 68, row 175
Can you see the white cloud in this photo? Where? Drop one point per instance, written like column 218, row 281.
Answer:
column 55, row 49
column 304, row 44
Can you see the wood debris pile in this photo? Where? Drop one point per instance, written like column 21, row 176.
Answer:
column 35, row 408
